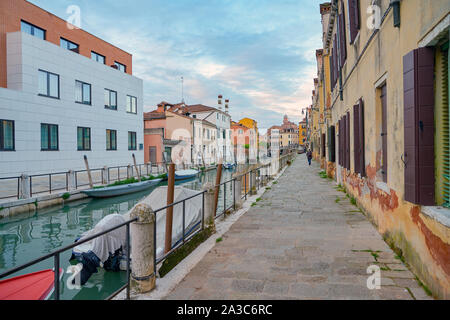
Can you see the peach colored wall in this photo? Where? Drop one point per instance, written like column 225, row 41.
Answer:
column 153, row 140
column 171, row 123
column 13, row 11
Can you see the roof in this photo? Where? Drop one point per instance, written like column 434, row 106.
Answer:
column 154, row 115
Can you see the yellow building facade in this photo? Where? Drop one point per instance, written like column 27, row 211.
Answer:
column 386, row 123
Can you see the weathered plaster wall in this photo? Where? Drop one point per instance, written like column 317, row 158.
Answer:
column 424, row 241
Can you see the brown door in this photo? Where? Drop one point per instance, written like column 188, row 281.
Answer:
column 383, row 98
column 152, row 151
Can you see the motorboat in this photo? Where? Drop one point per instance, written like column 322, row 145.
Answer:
column 113, row 191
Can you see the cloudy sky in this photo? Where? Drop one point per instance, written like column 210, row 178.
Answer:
column 258, row 53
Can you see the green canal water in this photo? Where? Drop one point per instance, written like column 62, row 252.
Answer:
column 28, row 236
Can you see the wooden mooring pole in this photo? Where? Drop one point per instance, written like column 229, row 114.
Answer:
column 136, row 167
column 169, row 211
column 86, row 163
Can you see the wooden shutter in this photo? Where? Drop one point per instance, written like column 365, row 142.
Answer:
column 343, row 141
column 358, row 138
column 332, row 68
column 384, row 133
column 418, row 92
column 342, row 38
column 331, row 144
column 356, row 153
column 353, row 13
column 347, row 142
column 340, row 143
column 362, row 145
column 323, row 146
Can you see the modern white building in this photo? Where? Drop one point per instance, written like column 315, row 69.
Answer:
column 60, row 105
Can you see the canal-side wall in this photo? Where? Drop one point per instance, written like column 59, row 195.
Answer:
column 12, row 208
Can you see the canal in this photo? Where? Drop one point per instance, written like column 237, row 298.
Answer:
column 28, row 236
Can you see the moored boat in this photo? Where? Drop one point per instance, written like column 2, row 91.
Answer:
column 185, row 174
column 119, row 190
column 228, row 165
column 32, row 286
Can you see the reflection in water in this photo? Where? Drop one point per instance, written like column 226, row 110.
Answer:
column 29, row 236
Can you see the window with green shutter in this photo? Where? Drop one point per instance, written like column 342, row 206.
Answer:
column 442, row 127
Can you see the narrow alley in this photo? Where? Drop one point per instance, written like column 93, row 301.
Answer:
column 303, row 240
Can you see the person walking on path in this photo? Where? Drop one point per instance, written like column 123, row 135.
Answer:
column 309, row 156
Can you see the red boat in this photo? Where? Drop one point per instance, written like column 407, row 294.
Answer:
column 32, row 286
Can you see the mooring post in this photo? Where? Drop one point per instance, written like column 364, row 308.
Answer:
column 253, row 175
column 24, row 187
column 210, row 213
column 129, row 171
column 86, row 163
column 142, row 249
column 169, row 211
column 136, row 167
column 238, row 191
column 71, row 183
column 105, row 176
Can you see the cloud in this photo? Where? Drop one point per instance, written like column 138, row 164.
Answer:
column 258, row 53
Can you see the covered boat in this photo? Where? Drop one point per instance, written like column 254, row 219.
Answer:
column 33, row 286
column 185, row 174
column 193, row 214
column 114, row 191
column 108, row 250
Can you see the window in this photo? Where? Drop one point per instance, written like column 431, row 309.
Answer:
column 111, row 139
column 97, row 57
column 120, row 67
column 110, row 99
column 49, row 137
column 131, row 104
column 83, row 139
column 384, row 133
column 69, row 45
column 82, row 92
column 354, row 19
column 131, row 140
column 32, row 29
column 7, row 135
column 48, row 84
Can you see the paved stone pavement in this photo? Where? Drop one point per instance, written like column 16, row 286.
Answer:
column 298, row 242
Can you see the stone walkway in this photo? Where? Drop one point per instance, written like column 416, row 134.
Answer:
column 299, row 242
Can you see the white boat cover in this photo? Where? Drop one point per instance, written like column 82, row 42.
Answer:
column 108, row 243
column 193, row 213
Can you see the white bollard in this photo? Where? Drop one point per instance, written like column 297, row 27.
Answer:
column 142, row 249
column 24, row 187
column 238, row 191
column 209, row 215
column 71, row 181
column 105, row 176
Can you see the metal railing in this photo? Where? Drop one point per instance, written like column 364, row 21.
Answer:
column 186, row 234
column 59, row 181
column 56, row 260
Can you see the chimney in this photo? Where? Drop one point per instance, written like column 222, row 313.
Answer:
column 220, row 102
column 227, row 102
